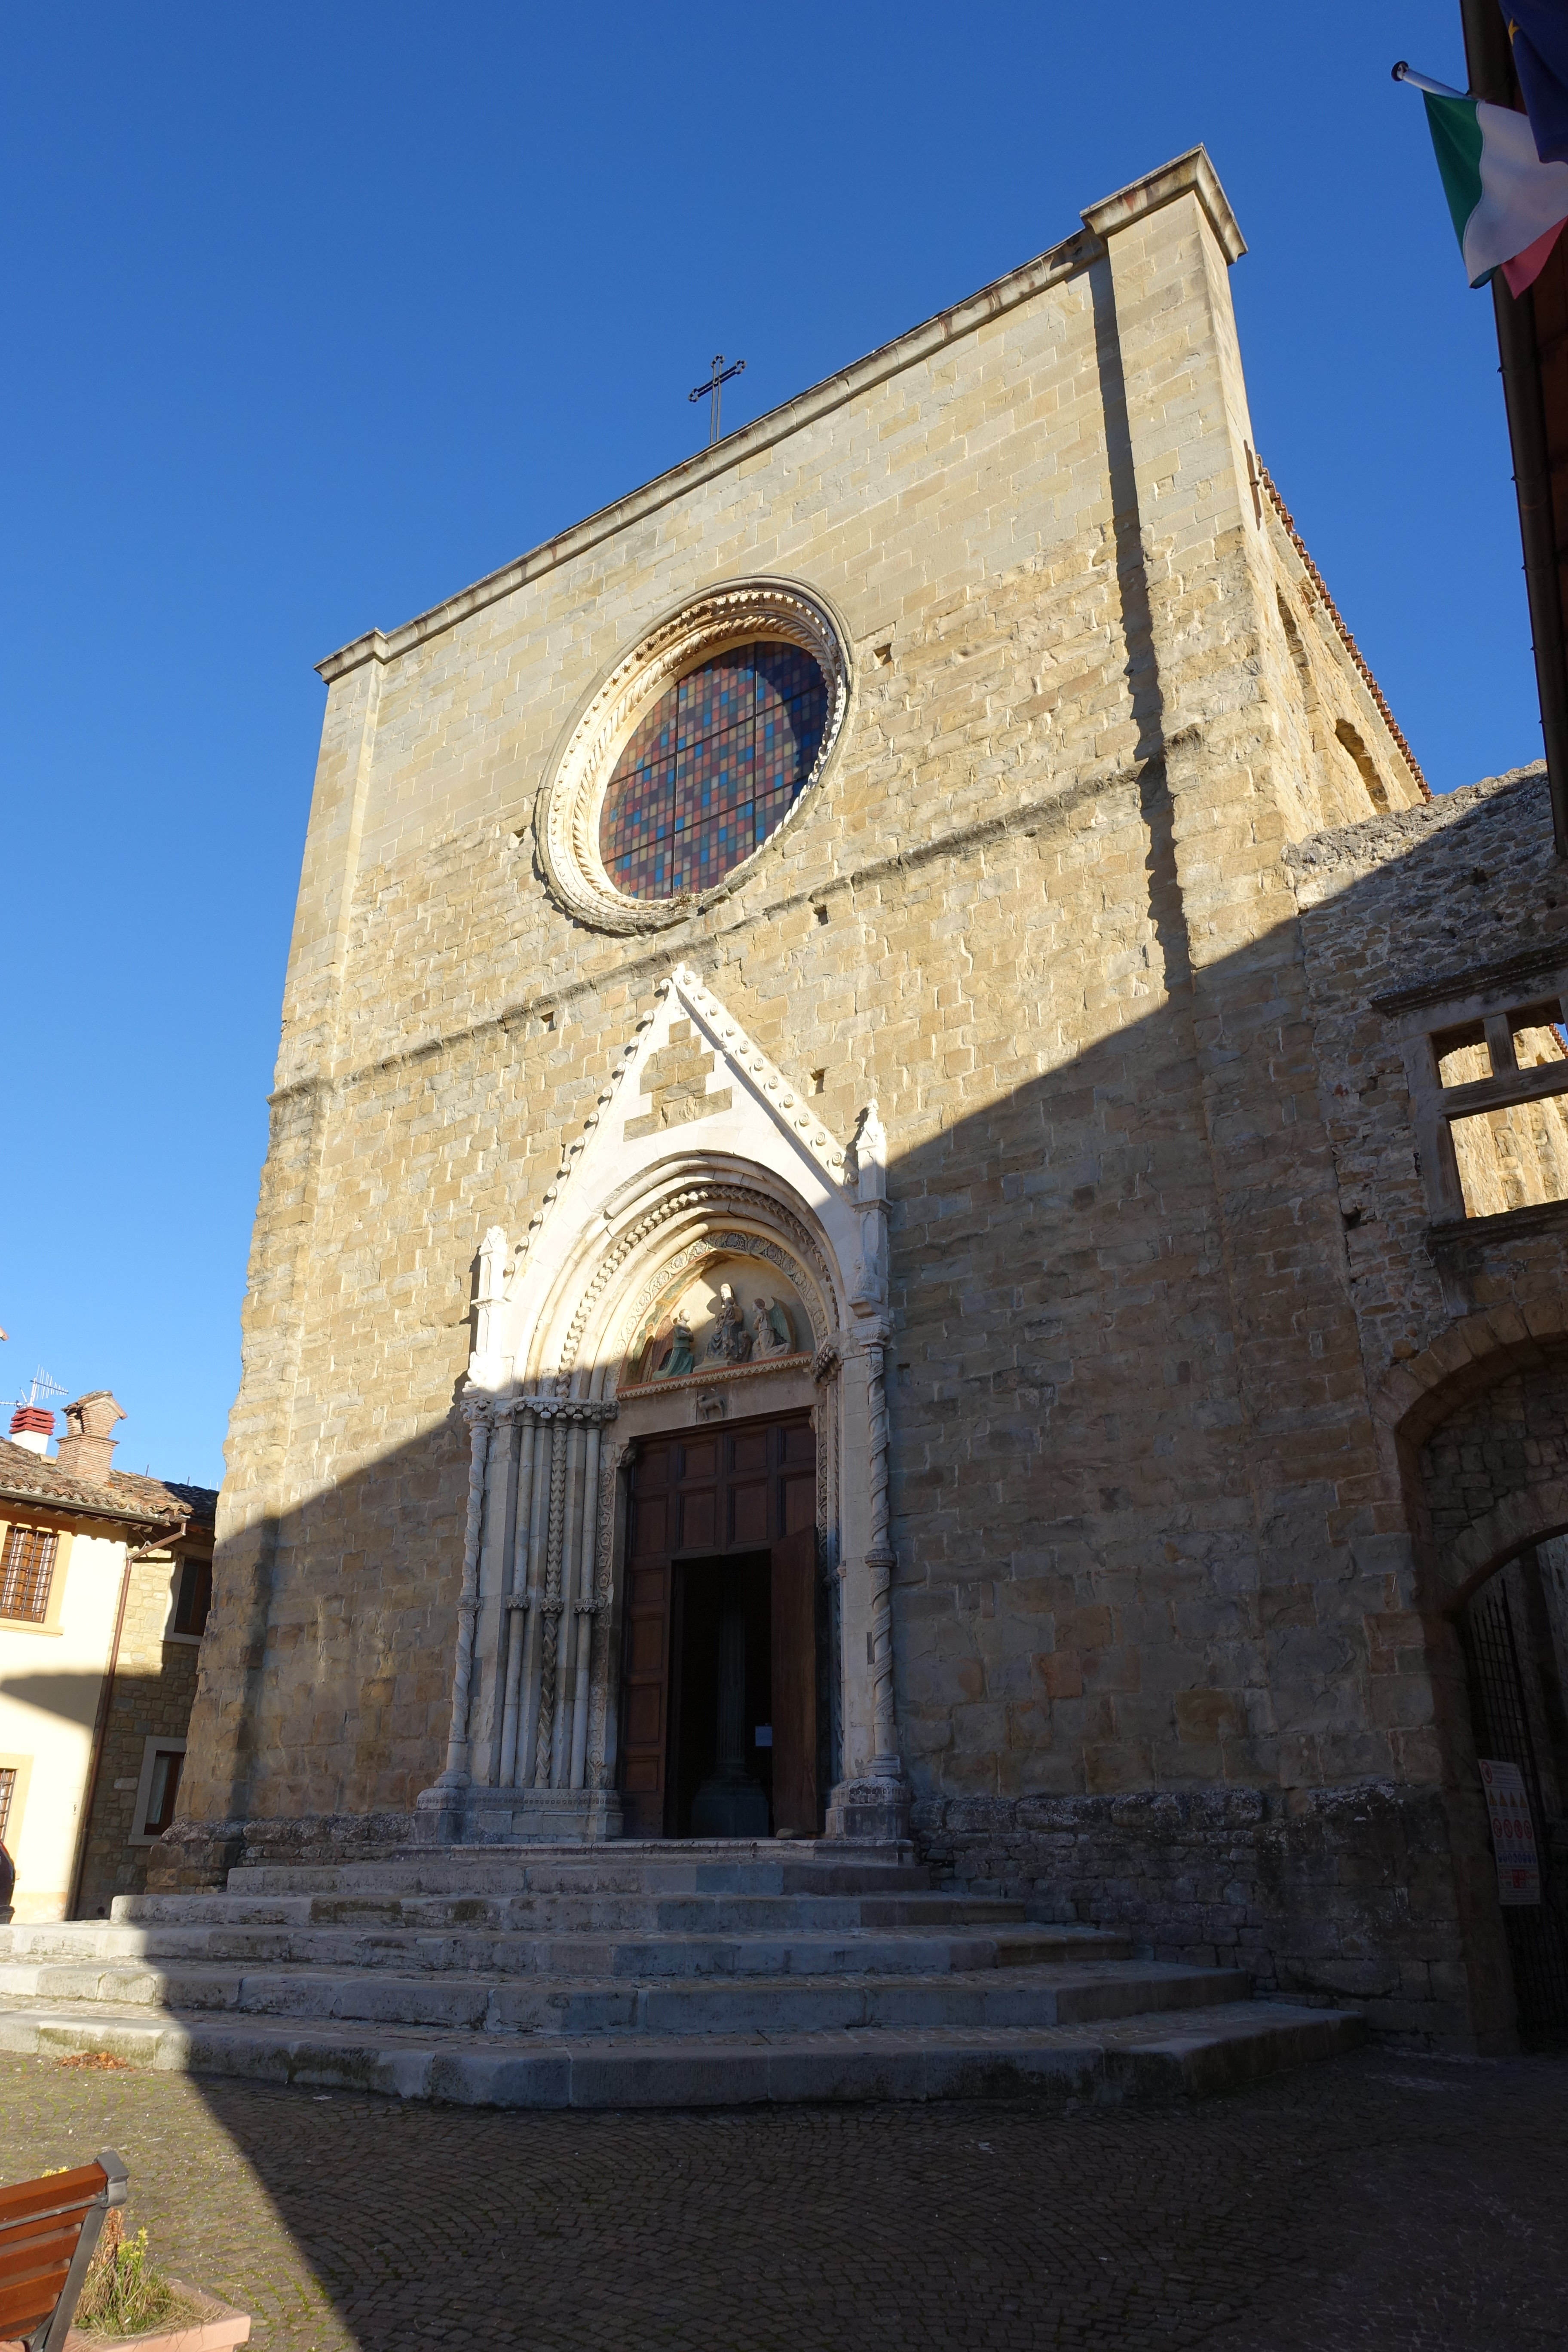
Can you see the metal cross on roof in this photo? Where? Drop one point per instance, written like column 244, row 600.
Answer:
column 710, row 391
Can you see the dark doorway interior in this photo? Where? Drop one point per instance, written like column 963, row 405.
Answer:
column 720, row 1558
column 726, row 1595
column 1514, row 1652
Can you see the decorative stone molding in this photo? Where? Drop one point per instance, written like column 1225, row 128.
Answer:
column 566, row 821
column 758, row 1179
column 870, row 1292
column 760, row 1079
column 711, row 1375
column 733, row 1200
column 611, row 1459
column 727, row 1244
column 784, row 1099
column 589, row 1411
column 456, row 1775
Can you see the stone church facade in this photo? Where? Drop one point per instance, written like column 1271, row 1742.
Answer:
column 1012, row 1232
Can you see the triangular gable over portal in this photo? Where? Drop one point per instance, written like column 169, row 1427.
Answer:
column 690, row 1082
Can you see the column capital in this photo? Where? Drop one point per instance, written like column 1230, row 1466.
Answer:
column 597, row 1411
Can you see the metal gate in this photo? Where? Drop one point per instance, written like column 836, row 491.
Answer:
column 1537, row 1939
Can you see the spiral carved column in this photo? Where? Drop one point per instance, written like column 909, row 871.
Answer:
column 879, row 1565
column 456, row 1775
column 610, row 1463
column 550, row 1642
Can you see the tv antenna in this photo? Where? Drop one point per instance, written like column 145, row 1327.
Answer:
column 42, row 1384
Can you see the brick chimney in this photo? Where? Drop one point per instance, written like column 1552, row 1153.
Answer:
column 32, row 1426
column 84, row 1451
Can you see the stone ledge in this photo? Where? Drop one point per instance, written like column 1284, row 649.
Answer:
column 1320, row 1894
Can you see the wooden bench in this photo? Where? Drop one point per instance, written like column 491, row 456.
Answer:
column 49, row 2231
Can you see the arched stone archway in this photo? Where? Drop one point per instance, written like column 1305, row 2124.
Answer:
column 699, row 1152
column 1478, row 1423
column 1471, row 1354
column 1531, row 1516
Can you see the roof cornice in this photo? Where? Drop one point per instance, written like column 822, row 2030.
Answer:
column 1190, row 173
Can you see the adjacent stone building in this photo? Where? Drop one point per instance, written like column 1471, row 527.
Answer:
column 863, row 1232
column 146, row 1705
column 104, row 1578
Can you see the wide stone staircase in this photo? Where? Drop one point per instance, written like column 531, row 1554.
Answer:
column 639, row 1976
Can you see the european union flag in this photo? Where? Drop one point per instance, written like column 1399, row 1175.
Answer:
column 1539, row 31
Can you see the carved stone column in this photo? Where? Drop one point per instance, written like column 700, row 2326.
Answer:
column 875, row 1803
column 600, row 1694
column 447, row 1793
column 550, row 1638
column 521, row 1601
column 881, row 1563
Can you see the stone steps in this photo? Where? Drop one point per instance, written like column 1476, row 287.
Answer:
column 1047, row 1996
column 774, row 1866
column 87, row 1945
column 1190, row 2054
column 651, row 1913
column 655, row 1975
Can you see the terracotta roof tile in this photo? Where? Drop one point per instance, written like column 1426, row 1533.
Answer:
column 28, row 1479
column 200, row 1501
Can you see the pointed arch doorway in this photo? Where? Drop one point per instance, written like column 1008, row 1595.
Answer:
column 707, row 1258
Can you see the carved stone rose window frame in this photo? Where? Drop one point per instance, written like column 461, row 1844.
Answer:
column 566, row 816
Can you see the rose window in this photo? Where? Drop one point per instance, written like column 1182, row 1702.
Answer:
column 712, row 769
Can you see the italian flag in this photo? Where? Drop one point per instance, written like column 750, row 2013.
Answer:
column 1508, row 205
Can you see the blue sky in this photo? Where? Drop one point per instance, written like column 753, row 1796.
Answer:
column 315, row 314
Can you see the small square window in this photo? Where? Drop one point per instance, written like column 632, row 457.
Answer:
column 192, row 1596
column 1512, row 1159
column 157, row 1791
column 163, row 1789
column 1461, row 1054
column 1489, row 1099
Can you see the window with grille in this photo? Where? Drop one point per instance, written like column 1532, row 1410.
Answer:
column 8, row 1790
column 27, row 1570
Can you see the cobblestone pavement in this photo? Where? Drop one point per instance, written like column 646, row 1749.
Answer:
column 1405, row 2204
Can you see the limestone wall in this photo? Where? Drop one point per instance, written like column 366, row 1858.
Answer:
column 1046, row 908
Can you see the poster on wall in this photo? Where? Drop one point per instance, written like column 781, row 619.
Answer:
column 1513, row 1833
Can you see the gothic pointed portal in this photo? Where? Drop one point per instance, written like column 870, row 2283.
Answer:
column 708, row 1260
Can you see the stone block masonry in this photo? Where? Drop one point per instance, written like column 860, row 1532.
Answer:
column 1322, row 1894
column 1094, row 901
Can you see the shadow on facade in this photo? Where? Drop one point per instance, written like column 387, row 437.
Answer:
column 1205, row 1439
column 68, row 1698
column 134, row 1712
column 1179, row 1588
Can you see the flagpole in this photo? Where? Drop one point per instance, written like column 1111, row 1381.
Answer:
column 1490, row 62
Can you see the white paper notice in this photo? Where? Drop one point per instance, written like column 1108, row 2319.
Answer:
column 1513, row 1834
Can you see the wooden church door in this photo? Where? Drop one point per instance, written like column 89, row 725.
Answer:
column 699, row 1496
